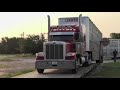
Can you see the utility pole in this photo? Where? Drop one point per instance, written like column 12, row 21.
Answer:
column 22, row 35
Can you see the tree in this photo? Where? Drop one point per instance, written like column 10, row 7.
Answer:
column 4, row 45
column 9, row 45
column 30, row 44
column 37, row 42
column 115, row 35
column 21, row 45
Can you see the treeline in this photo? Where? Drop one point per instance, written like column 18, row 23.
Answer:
column 115, row 35
column 29, row 45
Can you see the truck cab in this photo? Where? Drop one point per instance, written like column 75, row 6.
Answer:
column 60, row 52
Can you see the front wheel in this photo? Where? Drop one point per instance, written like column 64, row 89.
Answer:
column 74, row 70
column 40, row 70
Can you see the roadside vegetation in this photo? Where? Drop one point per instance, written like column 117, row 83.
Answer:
column 108, row 70
column 16, row 64
column 22, row 45
column 17, row 54
column 13, row 57
column 9, row 75
column 4, row 66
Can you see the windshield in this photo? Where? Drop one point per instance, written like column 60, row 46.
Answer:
column 61, row 38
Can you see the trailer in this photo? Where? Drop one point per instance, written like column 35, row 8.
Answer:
column 74, row 42
column 93, row 36
column 108, row 50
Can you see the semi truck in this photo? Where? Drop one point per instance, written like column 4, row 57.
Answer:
column 73, row 43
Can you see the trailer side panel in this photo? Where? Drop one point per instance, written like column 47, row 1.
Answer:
column 93, row 37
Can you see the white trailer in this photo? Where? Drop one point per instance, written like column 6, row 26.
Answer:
column 93, row 37
column 108, row 50
column 92, row 34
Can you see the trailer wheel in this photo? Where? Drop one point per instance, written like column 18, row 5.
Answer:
column 101, row 59
column 40, row 70
column 90, row 58
column 85, row 64
column 88, row 61
column 97, row 61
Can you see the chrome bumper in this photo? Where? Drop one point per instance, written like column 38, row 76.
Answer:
column 66, row 64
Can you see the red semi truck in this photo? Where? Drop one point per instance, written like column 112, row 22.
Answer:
column 74, row 42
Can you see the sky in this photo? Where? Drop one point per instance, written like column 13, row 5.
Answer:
column 12, row 24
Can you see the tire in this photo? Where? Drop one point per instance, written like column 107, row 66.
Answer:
column 97, row 61
column 40, row 70
column 85, row 64
column 101, row 59
column 74, row 71
column 90, row 59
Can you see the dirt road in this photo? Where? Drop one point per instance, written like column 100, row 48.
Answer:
column 12, row 64
column 54, row 73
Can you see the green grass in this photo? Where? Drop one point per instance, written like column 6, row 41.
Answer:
column 110, row 70
column 9, row 75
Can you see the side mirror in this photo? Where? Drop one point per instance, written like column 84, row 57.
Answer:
column 76, row 36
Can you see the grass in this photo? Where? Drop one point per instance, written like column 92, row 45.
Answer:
column 2, row 56
column 110, row 70
column 6, row 60
column 12, row 57
column 9, row 75
column 24, row 55
column 3, row 66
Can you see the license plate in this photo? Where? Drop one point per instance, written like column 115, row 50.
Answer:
column 54, row 63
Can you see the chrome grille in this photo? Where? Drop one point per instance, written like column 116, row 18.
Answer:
column 54, row 51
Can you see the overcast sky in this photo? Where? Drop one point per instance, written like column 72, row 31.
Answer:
column 14, row 23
